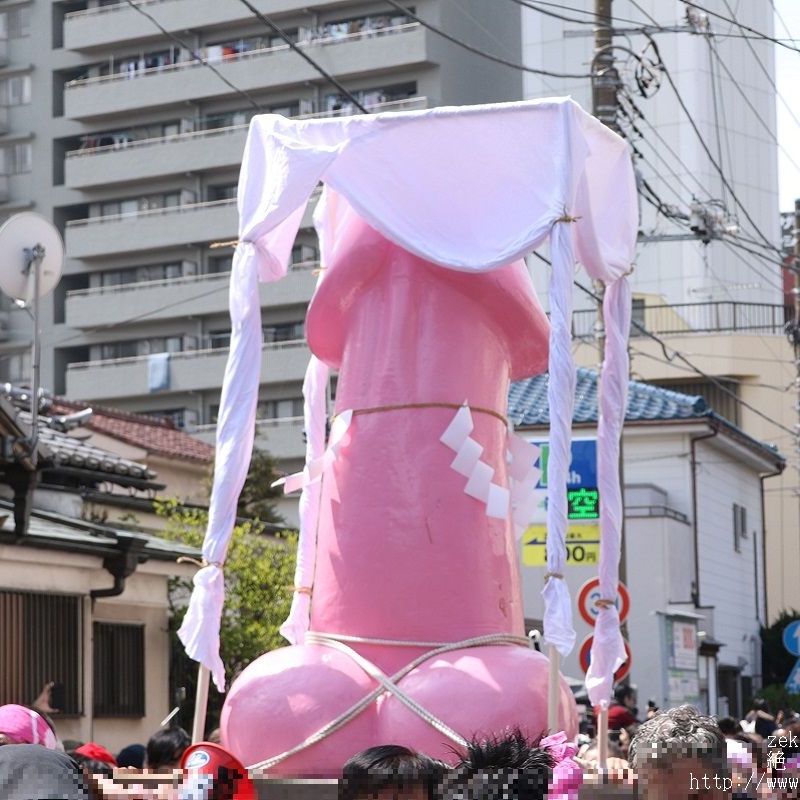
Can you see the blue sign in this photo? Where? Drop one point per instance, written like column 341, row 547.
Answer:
column 791, row 637
column 793, row 681
column 583, row 468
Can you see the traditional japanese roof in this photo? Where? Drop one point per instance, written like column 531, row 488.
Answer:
column 528, row 407
column 157, row 436
column 59, row 532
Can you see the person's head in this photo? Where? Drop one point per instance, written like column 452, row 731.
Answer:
column 132, row 755
column 680, row 753
column 29, row 770
column 625, row 695
column 23, row 725
column 760, row 704
column 165, row 748
column 390, row 772
column 729, row 726
column 495, row 768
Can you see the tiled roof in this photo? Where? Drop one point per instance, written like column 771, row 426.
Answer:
column 157, row 436
column 66, row 451
column 527, row 401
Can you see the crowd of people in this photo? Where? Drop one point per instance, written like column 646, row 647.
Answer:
column 676, row 754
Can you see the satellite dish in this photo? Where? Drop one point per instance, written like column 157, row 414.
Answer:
column 29, row 244
column 31, row 259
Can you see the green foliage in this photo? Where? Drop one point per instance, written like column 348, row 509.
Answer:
column 777, row 661
column 778, row 698
column 257, row 499
column 259, row 569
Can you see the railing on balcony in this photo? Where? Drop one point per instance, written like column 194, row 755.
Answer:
column 167, row 283
column 184, row 355
column 406, row 104
column 151, row 212
column 119, row 6
column 195, row 62
column 691, row 318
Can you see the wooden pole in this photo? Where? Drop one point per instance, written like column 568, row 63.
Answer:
column 201, row 704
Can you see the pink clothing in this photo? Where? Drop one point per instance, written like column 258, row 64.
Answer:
column 25, row 726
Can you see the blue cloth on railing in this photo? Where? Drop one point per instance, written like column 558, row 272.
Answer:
column 158, row 372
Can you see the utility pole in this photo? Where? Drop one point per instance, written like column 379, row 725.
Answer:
column 795, row 338
column 605, row 77
column 605, row 106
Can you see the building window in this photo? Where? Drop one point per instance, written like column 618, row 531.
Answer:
column 739, row 526
column 16, row 158
column 118, row 670
column 638, row 306
column 15, row 90
column 218, row 264
column 40, row 641
column 287, row 332
column 19, row 22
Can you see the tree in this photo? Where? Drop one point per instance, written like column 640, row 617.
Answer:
column 258, row 498
column 259, row 573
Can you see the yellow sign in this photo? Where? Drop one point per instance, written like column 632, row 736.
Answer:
column 583, row 545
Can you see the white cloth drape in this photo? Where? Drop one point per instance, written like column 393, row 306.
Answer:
column 469, row 188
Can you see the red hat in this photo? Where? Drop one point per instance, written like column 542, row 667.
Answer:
column 210, row 768
column 97, row 752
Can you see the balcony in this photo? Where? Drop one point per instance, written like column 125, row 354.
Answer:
column 199, row 295
column 153, row 158
column 693, row 318
column 180, row 153
column 193, row 371
column 110, row 25
column 272, row 67
column 281, row 438
column 153, row 229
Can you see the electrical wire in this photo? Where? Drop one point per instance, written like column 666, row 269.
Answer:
column 714, row 163
column 301, row 52
column 676, row 355
column 197, row 57
column 750, row 105
column 766, row 72
column 477, row 51
column 758, row 34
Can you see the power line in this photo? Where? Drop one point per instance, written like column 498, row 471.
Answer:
column 714, row 163
column 196, row 56
column 770, row 80
column 750, row 105
column 301, row 52
column 477, row 51
column 677, row 355
column 758, row 34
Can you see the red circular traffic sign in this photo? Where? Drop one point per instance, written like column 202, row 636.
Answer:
column 590, row 594
column 585, row 658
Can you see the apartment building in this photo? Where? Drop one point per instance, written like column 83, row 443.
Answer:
column 705, row 282
column 122, row 135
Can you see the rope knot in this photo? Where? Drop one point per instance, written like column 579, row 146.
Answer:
column 553, row 575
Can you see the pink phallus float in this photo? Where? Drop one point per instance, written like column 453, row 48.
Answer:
column 406, row 624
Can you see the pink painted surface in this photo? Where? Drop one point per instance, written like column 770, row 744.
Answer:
column 403, row 553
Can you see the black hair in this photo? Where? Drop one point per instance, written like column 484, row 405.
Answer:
column 499, row 767
column 92, row 766
column 623, row 692
column 760, row 704
column 729, row 726
column 166, row 746
column 389, row 766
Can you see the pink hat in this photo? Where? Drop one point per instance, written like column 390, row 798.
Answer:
column 25, row 726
